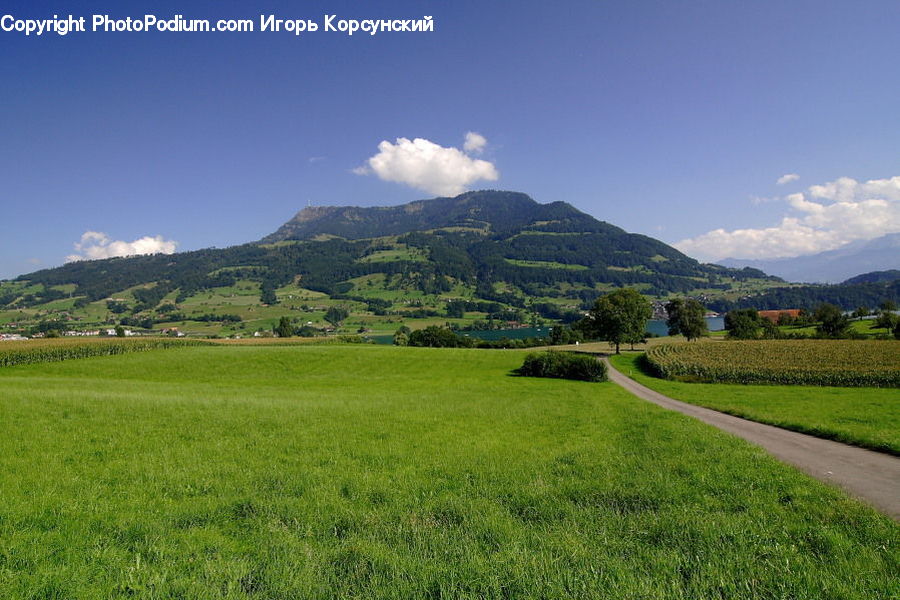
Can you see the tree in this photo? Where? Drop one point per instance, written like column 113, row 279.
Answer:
column 832, row 322
column 770, row 330
column 336, row 314
column 116, row 307
column 860, row 312
column 618, row 317
column 401, row 336
column 307, row 331
column 456, row 309
column 267, row 294
column 686, row 317
column 562, row 334
column 743, row 323
column 888, row 305
column 120, row 331
column 284, row 327
column 435, row 337
column 886, row 320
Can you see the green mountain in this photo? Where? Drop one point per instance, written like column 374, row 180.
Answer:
column 492, row 251
column 875, row 277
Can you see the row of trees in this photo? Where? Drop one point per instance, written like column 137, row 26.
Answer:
column 830, row 321
column 620, row 317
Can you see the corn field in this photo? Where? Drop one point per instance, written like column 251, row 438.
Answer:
column 52, row 350
column 844, row 363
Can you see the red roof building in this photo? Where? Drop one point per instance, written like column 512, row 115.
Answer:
column 773, row 315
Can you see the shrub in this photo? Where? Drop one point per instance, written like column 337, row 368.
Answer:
column 563, row 365
column 437, row 337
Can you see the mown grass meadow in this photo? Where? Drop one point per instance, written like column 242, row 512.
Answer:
column 381, row 472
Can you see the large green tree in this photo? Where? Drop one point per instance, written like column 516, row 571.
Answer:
column 336, row 314
column 686, row 317
column 284, row 327
column 619, row 317
column 832, row 321
column 743, row 323
column 401, row 336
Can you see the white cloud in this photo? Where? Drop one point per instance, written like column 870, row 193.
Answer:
column 427, row 166
column 95, row 245
column 475, row 143
column 787, row 178
column 824, row 217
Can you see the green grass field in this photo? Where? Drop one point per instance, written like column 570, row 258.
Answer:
column 867, row 417
column 382, row 472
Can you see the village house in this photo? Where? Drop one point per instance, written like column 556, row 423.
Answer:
column 11, row 337
column 774, row 315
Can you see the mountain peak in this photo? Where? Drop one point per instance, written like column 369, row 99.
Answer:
column 485, row 210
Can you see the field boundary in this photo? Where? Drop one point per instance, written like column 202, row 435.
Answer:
column 873, row 477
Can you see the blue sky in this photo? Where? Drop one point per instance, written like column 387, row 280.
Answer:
column 672, row 119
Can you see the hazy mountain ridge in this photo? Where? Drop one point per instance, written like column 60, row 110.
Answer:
column 832, row 266
column 875, row 277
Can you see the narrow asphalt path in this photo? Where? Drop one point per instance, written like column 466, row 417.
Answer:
column 872, row 477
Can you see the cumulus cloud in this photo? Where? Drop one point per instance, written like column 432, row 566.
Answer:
column 787, row 178
column 475, row 143
column 95, row 245
column 824, row 217
column 429, row 167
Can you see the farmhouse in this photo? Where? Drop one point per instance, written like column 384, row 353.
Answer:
column 11, row 337
column 773, row 315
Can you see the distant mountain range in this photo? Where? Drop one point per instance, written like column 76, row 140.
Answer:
column 833, row 266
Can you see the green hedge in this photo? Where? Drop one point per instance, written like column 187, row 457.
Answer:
column 563, row 365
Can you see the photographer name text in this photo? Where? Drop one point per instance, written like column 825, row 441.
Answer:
column 179, row 24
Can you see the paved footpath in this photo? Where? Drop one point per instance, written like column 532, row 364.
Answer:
column 873, row 477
